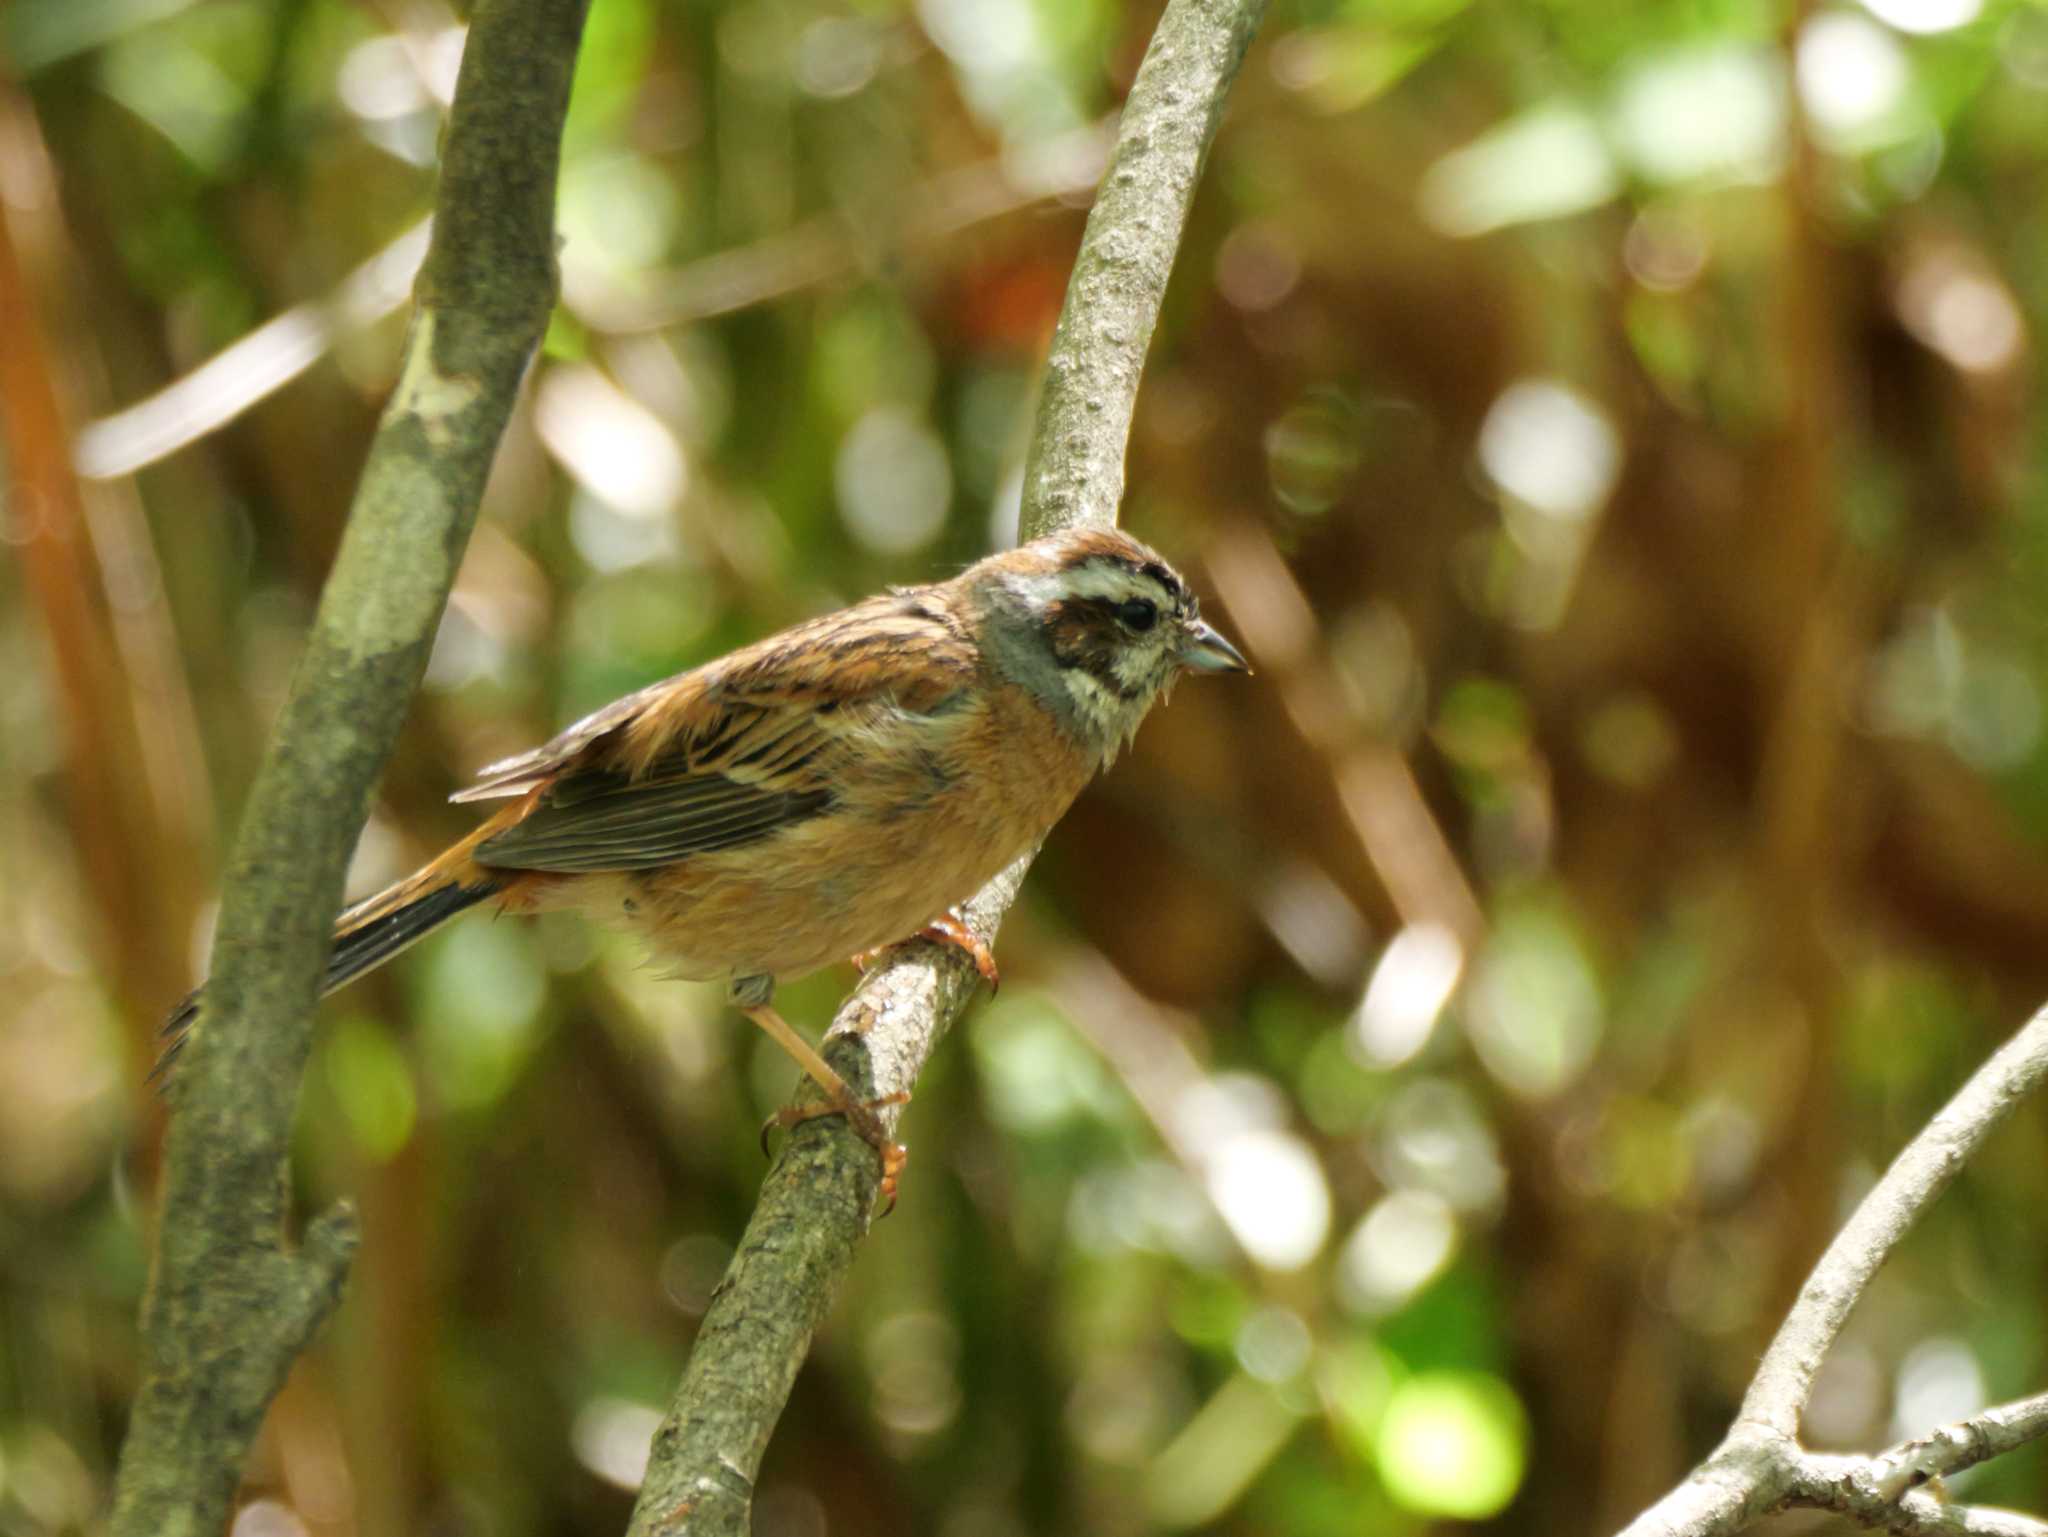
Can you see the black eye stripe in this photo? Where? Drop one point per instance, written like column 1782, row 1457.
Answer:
column 1111, row 610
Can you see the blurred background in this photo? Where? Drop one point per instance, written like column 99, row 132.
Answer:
column 1424, row 1071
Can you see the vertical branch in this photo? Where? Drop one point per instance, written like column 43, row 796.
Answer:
column 1074, row 464
column 814, row 1205
column 87, row 684
column 232, row 1301
column 132, row 763
column 1811, row 623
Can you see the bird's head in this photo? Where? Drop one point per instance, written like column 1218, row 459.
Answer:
column 1097, row 626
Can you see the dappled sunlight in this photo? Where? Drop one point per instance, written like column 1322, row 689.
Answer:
column 1396, row 1249
column 1926, row 15
column 1410, row 985
column 1853, row 77
column 610, row 1436
column 614, row 447
column 894, row 482
column 1423, row 1071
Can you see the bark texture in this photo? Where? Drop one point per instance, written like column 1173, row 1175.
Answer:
column 233, row 1299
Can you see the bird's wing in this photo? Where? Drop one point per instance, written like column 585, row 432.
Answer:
column 732, row 752
column 534, row 767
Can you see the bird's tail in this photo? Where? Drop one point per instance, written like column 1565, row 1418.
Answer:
column 374, row 930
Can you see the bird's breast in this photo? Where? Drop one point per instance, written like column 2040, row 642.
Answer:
column 921, row 818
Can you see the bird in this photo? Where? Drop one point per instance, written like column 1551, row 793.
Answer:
column 825, row 792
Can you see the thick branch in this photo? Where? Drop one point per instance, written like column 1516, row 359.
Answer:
column 815, row 1203
column 232, row 1300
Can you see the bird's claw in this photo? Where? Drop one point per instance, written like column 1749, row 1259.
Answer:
column 867, row 1125
column 949, row 929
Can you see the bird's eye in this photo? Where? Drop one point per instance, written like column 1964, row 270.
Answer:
column 1138, row 614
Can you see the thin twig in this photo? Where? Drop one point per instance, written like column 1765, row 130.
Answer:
column 1397, row 831
column 1847, row 1486
column 1761, row 1466
column 249, row 369
column 828, row 246
column 259, row 364
column 232, row 1300
column 1952, row 1448
column 813, row 1207
column 1784, row 1381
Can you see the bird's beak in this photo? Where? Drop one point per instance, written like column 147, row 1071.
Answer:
column 1205, row 650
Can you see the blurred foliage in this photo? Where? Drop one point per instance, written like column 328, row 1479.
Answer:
column 1424, row 1072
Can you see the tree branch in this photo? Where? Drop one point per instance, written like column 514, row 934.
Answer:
column 1784, row 1381
column 1952, row 1448
column 1847, row 1486
column 814, row 1205
column 1074, row 465
column 233, row 1300
column 1761, row 1465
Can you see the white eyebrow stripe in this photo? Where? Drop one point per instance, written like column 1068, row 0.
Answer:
column 1102, row 580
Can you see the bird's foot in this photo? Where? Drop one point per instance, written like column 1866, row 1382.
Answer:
column 860, row 1115
column 838, row 1100
column 948, row 929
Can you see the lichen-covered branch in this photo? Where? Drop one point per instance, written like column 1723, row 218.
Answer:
column 1761, row 1466
column 816, row 1202
column 232, row 1299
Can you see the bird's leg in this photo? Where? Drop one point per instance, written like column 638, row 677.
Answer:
column 839, row 1099
column 949, row 928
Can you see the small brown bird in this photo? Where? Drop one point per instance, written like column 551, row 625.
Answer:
column 829, row 790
